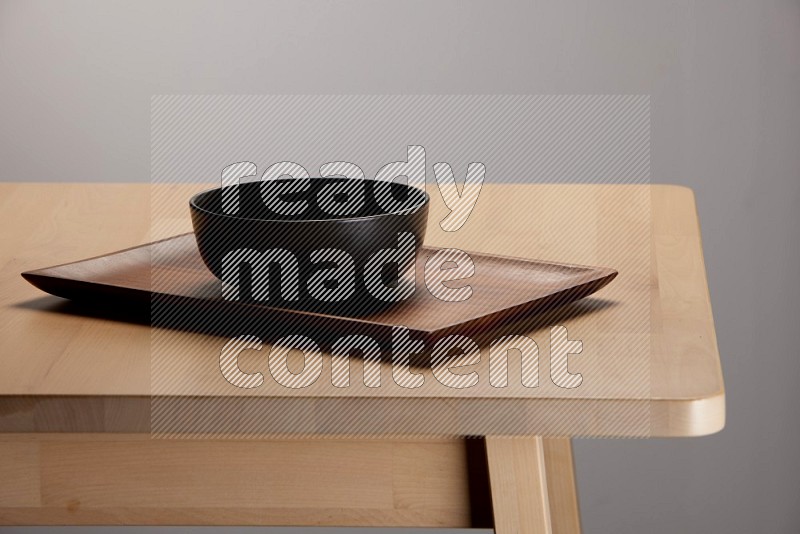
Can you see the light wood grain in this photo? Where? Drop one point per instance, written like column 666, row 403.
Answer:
column 562, row 491
column 52, row 353
column 72, row 372
column 17, row 461
column 129, row 479
column 533, row 485
column 518, row 475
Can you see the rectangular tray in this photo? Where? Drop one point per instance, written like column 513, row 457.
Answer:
column 170, row 276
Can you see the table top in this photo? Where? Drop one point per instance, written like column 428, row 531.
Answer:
column 650, row 364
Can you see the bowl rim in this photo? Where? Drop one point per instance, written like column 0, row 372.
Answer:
column 407, row 211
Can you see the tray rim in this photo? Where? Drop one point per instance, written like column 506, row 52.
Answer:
column 597, row 278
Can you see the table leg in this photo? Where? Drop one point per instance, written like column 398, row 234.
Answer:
column 532, row 483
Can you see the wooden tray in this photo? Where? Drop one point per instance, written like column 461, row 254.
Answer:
column 169, row 278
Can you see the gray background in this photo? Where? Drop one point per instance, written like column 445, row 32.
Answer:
column 724, row 77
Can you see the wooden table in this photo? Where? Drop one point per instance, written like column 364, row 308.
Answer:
column 75, row 387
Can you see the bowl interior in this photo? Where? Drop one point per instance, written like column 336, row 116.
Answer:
column 311, row 199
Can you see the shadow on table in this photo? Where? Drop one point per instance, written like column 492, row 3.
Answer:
column 269, row 327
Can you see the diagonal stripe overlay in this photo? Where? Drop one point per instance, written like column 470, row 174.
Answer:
column 505, row 381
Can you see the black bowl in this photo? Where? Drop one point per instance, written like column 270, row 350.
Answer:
column 327, row 244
